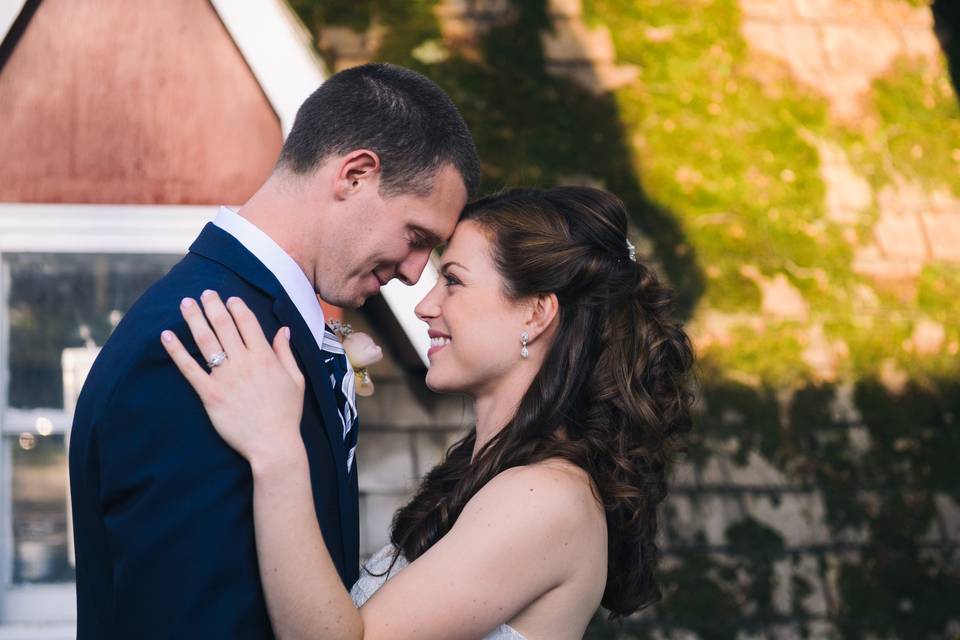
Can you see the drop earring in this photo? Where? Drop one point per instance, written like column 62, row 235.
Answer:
column 524, row 352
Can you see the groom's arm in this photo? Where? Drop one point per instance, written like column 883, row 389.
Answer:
column 176, row 502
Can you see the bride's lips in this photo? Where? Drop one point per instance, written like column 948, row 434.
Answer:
column 438, row 341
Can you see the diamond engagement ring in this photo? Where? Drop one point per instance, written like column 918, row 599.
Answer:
column 217, row 359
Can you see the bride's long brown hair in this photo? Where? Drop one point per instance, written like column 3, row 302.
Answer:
column 616, row 379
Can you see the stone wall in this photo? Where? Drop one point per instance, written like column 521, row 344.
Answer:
column 821, row 504
column 729, row 483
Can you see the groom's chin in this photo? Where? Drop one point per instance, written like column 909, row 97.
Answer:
column 361, row 294
column 355, row 303
column 347, row 300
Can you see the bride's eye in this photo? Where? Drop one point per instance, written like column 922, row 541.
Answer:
column 450, row 280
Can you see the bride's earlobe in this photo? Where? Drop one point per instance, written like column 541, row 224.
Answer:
column 543, row 313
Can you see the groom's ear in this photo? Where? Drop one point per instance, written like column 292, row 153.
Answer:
column 359, row 169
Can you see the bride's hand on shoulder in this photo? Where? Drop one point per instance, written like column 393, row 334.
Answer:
column 254, row 397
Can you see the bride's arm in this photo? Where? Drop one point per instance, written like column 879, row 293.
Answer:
column 510, row 545
column 255, row 401
column 305, row 597
column 519, row 537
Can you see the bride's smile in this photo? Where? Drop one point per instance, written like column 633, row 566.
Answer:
column 437, row 341
column 476, row 327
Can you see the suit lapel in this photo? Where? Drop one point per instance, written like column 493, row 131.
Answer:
column 318, row 377
column 306, row 347
column 218, row 245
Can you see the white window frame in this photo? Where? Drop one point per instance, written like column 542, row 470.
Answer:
column 49, row 611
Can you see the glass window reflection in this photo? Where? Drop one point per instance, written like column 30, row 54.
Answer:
column 56, row 301
column 40, row 533
column 59, row 308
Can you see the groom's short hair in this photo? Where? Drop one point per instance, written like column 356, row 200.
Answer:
column 401, row 115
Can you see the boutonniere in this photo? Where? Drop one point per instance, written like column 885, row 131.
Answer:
column 361, row 351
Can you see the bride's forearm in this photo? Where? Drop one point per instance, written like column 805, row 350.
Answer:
column 305, row 597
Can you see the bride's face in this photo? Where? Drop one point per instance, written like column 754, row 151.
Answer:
column 475, row 328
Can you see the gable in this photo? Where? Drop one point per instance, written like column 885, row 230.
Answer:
column 119, row 102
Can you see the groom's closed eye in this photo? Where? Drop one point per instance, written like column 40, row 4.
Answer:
column 423, row 239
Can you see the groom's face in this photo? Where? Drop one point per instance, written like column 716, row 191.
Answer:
column 390, row 237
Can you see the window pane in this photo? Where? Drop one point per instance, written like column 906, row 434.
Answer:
column 40, row 552
column 57, row 301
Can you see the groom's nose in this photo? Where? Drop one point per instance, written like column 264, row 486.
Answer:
column 410, row 270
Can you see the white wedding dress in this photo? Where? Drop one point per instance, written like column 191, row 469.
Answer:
column 368, row 584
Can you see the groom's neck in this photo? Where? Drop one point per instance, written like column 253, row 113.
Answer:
column 281, row 210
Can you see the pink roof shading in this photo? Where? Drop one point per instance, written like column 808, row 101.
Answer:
column 146, row 102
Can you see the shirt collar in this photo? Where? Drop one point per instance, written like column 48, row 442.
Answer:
column 291, row 277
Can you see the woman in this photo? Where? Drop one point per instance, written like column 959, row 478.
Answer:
column 547, row 508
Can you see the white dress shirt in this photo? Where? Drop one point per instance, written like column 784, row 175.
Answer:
column 298, row 287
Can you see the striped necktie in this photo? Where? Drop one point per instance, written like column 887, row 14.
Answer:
column 343, row 382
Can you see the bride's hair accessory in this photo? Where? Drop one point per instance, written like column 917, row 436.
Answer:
column 631, row 250
column 361, row 351
column 524, row 338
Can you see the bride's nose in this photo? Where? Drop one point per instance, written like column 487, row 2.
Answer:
column 429, row 307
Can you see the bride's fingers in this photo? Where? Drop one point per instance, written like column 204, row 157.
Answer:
column 247, row 323
column 202, row 333
column 281, row 346
column 222, row 323
column 193, row 372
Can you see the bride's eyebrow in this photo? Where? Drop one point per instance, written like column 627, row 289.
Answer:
column 447, row 265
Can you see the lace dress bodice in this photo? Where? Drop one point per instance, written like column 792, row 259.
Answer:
column 368, row 584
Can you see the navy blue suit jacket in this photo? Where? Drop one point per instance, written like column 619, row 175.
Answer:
column 162, row 507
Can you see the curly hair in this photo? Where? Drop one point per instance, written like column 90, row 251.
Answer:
column 612, row 397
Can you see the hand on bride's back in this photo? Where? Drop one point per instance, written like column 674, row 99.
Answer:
column 255, row 396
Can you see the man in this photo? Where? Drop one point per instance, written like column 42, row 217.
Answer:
column 373, row 176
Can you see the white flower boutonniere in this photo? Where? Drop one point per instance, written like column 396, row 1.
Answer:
column 361, row 351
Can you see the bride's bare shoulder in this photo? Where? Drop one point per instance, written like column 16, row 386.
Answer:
column 560, row 492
